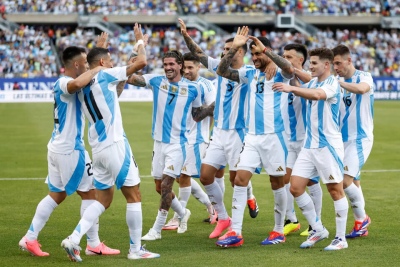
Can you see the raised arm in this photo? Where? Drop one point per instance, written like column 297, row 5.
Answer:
column 313, row 94
column 77, row 84
column 201, row 113
column 102, row 40
column 224, row 69
column 140, row 60
column 193, row 47
column 283, row 64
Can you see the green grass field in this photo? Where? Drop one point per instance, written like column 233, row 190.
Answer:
column 26, row 129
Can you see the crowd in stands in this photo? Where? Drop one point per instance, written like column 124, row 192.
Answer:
column 28, row 52
column 162, row 7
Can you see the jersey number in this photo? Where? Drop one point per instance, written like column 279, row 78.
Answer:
column 89, row 169
column 347, row 101
column 260, row 88
column 172, row 98
column 229, row 87
column 93, row 109
column 291, row 97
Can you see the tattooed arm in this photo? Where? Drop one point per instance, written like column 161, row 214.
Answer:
column 282, row 63
column 201, row 113
column 120, row 87
column 193, row 47
column 224, row 69
column 137, row 80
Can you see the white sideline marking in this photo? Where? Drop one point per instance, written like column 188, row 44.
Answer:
column 149, row 176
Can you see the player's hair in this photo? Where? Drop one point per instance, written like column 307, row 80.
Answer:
column 341, row 50
column 95, row 54
column 244, row 47
column 322, row 53
column 264, row 40
column 70, row 52
column 191, row 57
column 299, row 48
column 178, row 57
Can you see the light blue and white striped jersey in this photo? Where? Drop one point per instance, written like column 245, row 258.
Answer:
column 101, row 107
column 229, row 112
column 264, row 106
column 357, row 110
column 322, row 116
column 199, row 132
column 294, row 116
column 69, row 121
column 172, row 105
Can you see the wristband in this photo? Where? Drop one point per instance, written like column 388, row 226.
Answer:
column 135, row 48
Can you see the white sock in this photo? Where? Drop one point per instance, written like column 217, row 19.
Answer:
column 341, row 210
column 221, row 183
column 89, row 217
column 290, row 213
column 92, row 235
column 177, row 207
column 307, row 207
column 199, row 194
column 280, row 199
column 184, row 195
column 250, row 191
column 362, row 196
column 42, row 215
column 316, row 196
column 160, row 220
column 215, row 195
column 239, row 200
column 134, row 222
column 354, row 194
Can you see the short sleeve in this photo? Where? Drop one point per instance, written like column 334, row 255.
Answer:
column 367, row 78
column 209, row 92
column 147, row 79
column 197, row 101
column 213, row 64
column 246, row 74
column 64, row 84
column 119, row 73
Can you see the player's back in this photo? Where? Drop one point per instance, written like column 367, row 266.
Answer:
column 357, row 110
column 69, row 121
column 172, row 105
column 322, row 116
column 101, row 108
column 264, row 105
column 229, row 112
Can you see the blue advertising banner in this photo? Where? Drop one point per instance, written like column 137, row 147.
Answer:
column 39, row 89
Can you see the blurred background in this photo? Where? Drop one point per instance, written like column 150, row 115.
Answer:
column 33, row 33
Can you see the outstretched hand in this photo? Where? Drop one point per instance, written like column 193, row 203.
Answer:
column 183, row 26
column 102, row 40
column 241, row 37
column 137, row 29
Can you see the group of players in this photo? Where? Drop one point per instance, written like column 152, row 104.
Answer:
column 300, row 126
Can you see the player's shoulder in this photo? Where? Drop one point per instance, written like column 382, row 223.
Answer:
column 361, row 73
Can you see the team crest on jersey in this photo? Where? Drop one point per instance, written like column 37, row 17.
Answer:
column 174, row 89
column 261, row 79
column 184, row 91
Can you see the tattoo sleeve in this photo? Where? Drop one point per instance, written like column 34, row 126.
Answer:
column 195, row 49
column 282, row 63
column 201, row 113
column 224, row 69
column 120, row 87
column 137, row 80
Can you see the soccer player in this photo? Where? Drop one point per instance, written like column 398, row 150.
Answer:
column 294, row 120
column 113, row 161
column 175, row 98
column 198, row 140
column 356, row 122
column 322, row 152
column 69, row 164
column 265, row 144
column 228, row 131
